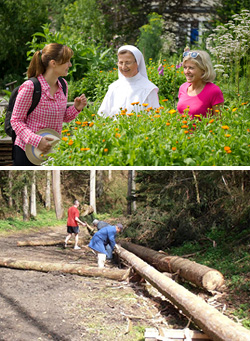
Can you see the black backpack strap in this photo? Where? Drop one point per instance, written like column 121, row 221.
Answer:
column 61, row 80
column 36, row 94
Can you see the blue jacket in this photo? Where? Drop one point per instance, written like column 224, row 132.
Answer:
column 104, row 236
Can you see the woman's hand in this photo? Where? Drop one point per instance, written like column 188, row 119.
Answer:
column 80, row 102
column 44, row 144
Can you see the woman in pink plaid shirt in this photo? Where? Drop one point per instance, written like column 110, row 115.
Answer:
column 47, row 65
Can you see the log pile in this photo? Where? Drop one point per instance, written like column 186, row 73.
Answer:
column 213, row 323
column 200, row 275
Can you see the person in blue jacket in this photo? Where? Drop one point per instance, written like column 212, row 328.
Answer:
column 101, row 238
column 100, row 224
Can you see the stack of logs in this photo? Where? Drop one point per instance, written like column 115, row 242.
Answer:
column 213, row 323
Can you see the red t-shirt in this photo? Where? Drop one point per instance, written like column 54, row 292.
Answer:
column 72, row 214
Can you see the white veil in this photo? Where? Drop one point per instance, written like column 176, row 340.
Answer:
column 139, row 59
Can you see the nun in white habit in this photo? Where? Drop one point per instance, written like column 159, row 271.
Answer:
column 132, row 86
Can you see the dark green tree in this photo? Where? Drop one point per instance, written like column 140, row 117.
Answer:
column 18, row 21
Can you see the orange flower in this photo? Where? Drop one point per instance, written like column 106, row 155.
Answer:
column 164, row 100
column 173, row 148
column 185, row 126
column 130, row 114
column 105, row 150
column 103, row 140
column 225, row 127
column 172, row 111
column 183, row 116
column 157, row 115
column 134, row 103
column 91, row 124
column 145, row 104
column 148, row 109
column 65, row 139
column 84, row 149
column 197, row 116
column 157, row 111
column 78, row 122
column 70, row 142
column 184, row 122
column 186, row 132
column 65, row 131
column 234, row 109
column 227, row 148
column 68, row 134
column 211, row 121
column 93, row 115
column 227, row 135
column 167, row 124
column 146, row 138
column 117, row 135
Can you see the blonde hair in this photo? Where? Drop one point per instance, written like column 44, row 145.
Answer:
column 40, row 61
column 203, row 61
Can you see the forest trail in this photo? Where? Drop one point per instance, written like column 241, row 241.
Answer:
column 56, row 306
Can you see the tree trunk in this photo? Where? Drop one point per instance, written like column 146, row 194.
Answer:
column 56, row 181
column 211, row 321
column 10, row 189
column 33, row 195
column 133, row 190
column 25, row 203
column 81, row 270
column 129, row 193
column 110, row 175
column 196, row 187
column 47, row 194
column 92, row 189
column 198, row 274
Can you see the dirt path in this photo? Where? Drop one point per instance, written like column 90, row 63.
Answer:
column 54, row 306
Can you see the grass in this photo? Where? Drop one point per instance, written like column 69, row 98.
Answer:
column 44, row 219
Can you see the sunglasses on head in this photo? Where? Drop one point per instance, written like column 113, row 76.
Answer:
column 191, row 54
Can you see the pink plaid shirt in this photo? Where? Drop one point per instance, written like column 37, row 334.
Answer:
column 50, row 112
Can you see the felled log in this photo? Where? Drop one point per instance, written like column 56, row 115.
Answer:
column 47, row 242
column 81, row 270
column 200, row 275
column 213, row 323
column 87, row 210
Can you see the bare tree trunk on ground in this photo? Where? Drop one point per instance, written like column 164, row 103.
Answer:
column 198, row 274
column 211, row 321
column 81, row 270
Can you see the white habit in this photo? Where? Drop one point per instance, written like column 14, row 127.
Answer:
column 127, row 90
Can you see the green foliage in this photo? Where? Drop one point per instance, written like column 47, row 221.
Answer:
column 18, row 21
column 230, row 44
column 43, row 219
column 156, row 138
column 225, row 9
column 87, row 56
column 84, row 22
column 150, row 41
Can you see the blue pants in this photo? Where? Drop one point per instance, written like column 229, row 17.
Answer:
column 109, row 251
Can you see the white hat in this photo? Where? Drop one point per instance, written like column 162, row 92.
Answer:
column 35, row 155
column 138, row 57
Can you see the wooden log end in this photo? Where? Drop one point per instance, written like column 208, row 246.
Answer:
column 212, row 280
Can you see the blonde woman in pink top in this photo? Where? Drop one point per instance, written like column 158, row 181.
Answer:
column 46, row 65
column 199, row 96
